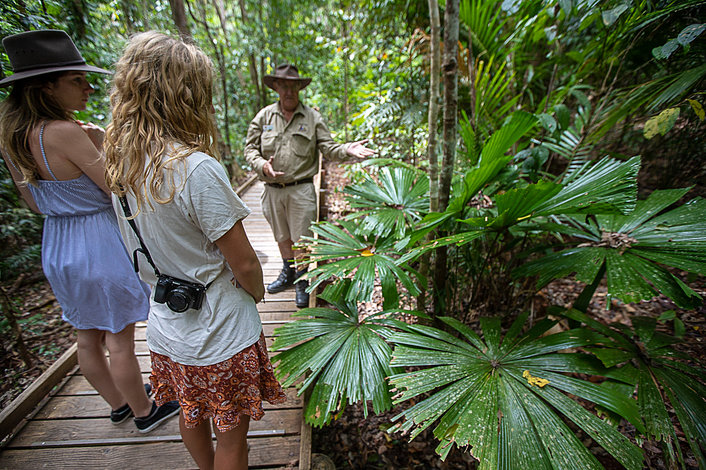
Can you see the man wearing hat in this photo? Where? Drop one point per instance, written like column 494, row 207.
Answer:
column 283, row 144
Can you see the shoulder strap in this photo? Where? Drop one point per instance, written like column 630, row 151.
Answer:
column 143, row 249
column 41, row 147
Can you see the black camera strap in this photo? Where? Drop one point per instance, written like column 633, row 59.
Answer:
column 143, row 249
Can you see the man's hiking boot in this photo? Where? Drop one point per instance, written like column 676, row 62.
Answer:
column 302, row 297
column 285, row 280
column 157, row 416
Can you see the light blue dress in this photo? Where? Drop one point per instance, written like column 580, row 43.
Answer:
column 83, row 255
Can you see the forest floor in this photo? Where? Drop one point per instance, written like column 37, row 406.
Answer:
column 351, row 441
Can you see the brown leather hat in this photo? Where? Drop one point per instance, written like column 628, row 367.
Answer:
column 40, row 52
column 286, row 72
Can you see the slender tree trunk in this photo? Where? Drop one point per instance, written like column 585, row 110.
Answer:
column 435, row 59
column 78, row 20
column 263, row 89
column 129, row 15
column 346, row 65
column 252, row 65
column 450, row 70
column 179, row 17
column 224, row 145
column 434, row 105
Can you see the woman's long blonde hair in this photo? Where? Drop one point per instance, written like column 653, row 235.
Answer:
column 20, row 113
column 161, row 103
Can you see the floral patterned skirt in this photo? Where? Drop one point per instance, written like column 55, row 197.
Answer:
column 221, row 391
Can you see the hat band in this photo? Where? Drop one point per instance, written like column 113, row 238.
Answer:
column 49, row 65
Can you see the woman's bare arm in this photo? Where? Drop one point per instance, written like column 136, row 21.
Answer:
column 243, row 261
column 22, row 188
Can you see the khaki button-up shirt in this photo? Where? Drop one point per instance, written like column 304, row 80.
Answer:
column 294, row 144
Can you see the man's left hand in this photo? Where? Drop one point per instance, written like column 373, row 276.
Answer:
column 359, row 150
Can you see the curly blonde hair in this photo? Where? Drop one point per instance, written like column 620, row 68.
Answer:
column 23, row 110
column 161, row 104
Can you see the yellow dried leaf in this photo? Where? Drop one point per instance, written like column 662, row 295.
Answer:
column 366, row 252
column 698, row 109
column 534, row 380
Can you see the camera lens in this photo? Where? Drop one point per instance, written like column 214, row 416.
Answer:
column 179, row 299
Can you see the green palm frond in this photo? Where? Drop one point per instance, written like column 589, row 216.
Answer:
column 663, row 376
column 609, row 186
column 342, row 252
column 491, row 101
column 342, row 357
column 390, row 203
column 633, row 247
column 484, row 22
column 492, row 159
column 505, row 397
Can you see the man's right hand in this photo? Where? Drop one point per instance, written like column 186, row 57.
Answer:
column 268, row 171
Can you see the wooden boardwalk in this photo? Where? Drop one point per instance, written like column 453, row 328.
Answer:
column 70, row 428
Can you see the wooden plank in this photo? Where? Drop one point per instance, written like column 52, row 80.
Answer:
column 93, row 406
column 268, row 452
column 21, row 406
column 96, row 431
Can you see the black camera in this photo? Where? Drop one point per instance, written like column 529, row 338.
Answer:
column 179, row 295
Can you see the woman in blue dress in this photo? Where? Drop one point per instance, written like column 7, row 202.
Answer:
column 59, row 170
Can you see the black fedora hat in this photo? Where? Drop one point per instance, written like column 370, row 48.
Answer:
column 286, row 72
column 40, row 52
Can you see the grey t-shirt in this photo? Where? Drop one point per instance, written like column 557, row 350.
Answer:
column 180, row 236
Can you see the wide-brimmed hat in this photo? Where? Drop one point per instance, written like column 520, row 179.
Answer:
column 286, row 72
column 40, row 52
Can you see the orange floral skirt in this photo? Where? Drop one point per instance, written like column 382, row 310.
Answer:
column 221, row 391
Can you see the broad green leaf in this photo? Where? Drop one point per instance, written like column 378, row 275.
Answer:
column 662, row 123
column 609, row 186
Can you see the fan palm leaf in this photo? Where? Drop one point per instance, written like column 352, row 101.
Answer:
column 505, row 397
column 342, row 252
column 663, row 376
column 342, row 357
column 390, row 203
column 633, row 247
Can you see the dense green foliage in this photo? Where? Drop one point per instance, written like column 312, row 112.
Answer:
column 565, row 107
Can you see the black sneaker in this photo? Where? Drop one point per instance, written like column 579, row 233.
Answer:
column 284, row 280
column 157, row 416
column 124, row 412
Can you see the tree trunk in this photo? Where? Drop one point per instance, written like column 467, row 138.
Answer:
column 435, row 54
column 179, row 16
column 450, row 69
column 78, row 19
column 435, row 59
column 252, row 64
column 346, row 65
column 129, row 15
column 224, row 145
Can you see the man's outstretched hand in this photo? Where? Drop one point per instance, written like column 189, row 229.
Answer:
column 268, row 171
column 359, row 150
